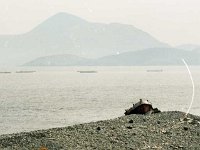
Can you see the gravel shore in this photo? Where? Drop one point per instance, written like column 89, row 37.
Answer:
column 166, row 130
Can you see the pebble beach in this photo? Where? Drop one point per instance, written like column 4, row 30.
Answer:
column 166, row 130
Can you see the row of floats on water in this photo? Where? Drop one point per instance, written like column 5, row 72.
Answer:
column 7, row 72
column 82, row 71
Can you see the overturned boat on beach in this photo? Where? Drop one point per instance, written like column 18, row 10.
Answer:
column 142, row 107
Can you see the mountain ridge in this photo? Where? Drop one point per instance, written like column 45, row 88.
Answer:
column 67, row 34
column 147, row 57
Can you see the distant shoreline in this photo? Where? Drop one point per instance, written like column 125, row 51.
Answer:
column 166, row 130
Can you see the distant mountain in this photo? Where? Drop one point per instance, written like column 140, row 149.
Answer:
column 59, row 60
column 147, row 57
column 154, row 56
column 189, row 47
column 68, row 34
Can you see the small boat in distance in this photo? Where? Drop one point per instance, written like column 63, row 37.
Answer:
column 155, row 70
column 92, row 71
column 25, row 71
column 5, row 72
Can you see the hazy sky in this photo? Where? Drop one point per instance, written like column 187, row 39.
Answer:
column 172, row 21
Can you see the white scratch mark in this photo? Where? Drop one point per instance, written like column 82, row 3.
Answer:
column 193, row 87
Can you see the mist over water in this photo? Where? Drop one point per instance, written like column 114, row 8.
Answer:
column 61, row 96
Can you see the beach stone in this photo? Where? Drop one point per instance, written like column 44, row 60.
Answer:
column 186, row 119
column 134, row 134
column 194, row 122
column 98, row 128
column 131, row 121
column 43, row 148
column 185, row 128
column 180, row 146
column 129, row 127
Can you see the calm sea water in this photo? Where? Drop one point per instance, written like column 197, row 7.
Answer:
column 56, row 97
